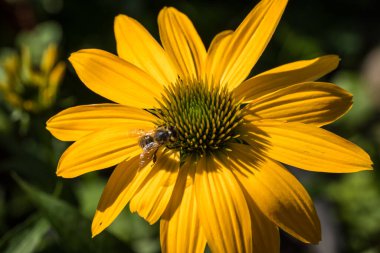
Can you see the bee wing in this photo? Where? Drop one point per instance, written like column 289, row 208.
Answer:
column 148, row 153
column 140, row 132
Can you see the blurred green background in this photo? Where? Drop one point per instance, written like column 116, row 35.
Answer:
column 42, row 213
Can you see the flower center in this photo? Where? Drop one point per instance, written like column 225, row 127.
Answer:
column 204, row 118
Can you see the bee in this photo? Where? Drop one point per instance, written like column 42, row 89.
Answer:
column 150, row 141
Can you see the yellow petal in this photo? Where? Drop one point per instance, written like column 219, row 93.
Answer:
column 99, row 150
column 137, row 46
column 223, row 211
column 266, row 237
column 116, row 79
column 48, row 58
column 57, row 74
column 307, row 147
column 125, row 180
column 286, row 75
column 26, row 64
column 182, row 42
column 265, row 234
column 311, row 103
column 248, row 42
column 151, row 200
column 216, row 52
column 280, row 197
column 11, row 62
column 76, row 122
column 180, row 228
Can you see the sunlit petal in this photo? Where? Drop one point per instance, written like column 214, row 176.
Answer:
column 265, row 234
column 125, row 180
column 76, row 122
column 180, row 228
column 307, row 147
column 248, row 42
column 280, row 197
column 137, row 46
column 223, row 209
column 182, row 42
column 215, row 54
column 311, row 103
column 151, row 199
column 286, row 75
column 99, row 150
column 116, row 79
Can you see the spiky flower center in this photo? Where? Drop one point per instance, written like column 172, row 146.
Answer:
column 204, row 117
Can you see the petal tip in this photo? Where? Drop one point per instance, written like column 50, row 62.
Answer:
column 59, row 173
column 121, row 18
column 170, row 9
column 99, row 223
column 49, row 122
column 48, row 128
column 162, row 10
column 73, row 56
column 317, row 237
column 315, row 240
column 64, row 173
column 95, row 230
column 333, row 60
column 76, row 54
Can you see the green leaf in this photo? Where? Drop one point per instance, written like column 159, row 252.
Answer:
column 29, row 239
column 128, row 227
column 39, row 38
column 362, row 108
column 357, row 198
column 72, row 227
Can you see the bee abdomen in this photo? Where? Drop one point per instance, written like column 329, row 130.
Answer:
column 145, row 140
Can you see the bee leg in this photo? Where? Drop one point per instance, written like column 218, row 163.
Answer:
column 155, row 157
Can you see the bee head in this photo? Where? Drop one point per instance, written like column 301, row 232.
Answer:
column 161, row 135
column 165, row 134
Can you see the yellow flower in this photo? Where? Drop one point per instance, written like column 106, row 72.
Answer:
column 29, row 88
column 219, row 180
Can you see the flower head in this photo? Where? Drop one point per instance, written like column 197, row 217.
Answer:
column 31, row 88
column 216, row 176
